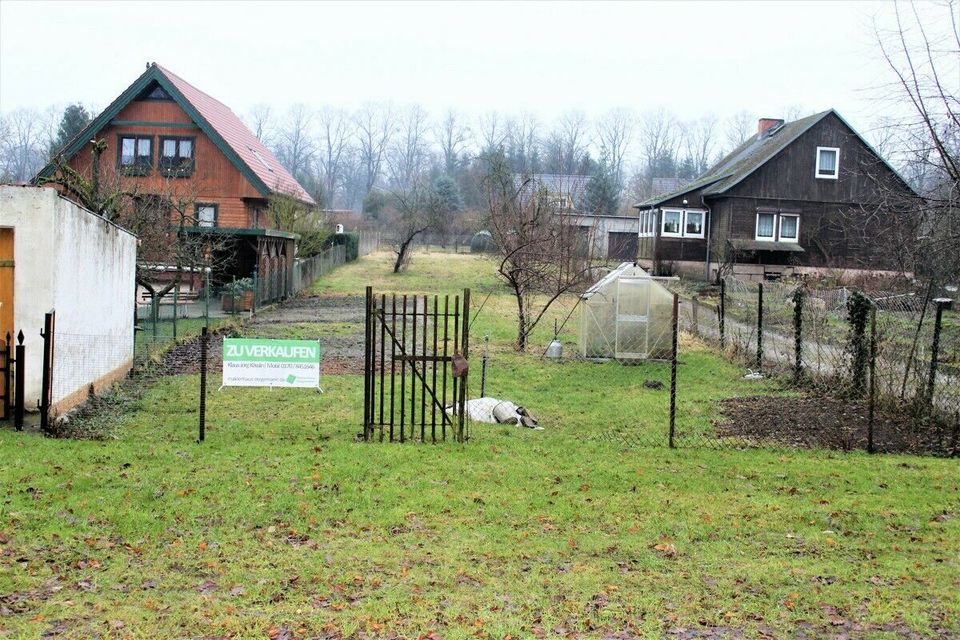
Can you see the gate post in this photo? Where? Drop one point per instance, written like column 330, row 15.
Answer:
column 19, row 383
column 7, row 391
column 46, row 390
column 367, row 373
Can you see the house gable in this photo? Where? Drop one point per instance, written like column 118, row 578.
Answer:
column 257, row 165
column 790, row 173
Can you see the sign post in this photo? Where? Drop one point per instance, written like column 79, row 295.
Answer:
column 271, row 363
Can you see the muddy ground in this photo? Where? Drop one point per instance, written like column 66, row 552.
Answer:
column 818, row 420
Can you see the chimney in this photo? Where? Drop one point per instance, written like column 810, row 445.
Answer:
column 765, row 124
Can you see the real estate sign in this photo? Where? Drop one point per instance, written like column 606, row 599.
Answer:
column 271, row 363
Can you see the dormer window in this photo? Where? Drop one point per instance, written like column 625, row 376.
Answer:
column 828, row 162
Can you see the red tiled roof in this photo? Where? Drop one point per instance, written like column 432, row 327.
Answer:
column 236, row 134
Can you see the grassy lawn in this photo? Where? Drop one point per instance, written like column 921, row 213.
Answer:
column 280, row 525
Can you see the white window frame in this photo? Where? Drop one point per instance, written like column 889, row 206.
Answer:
column 836, row 173
column 773, row 235
column 646, row 224
column 779, row 226
column 703, row 223
column 663, row 224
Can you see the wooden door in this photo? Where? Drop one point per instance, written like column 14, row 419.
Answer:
column 6, row 316
column 6, row 283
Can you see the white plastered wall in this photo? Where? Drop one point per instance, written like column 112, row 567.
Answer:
column 77, row 263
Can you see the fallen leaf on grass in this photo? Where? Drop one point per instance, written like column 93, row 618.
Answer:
column 665, row 548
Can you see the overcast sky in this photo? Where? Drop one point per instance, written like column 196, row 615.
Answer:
column 691, row 58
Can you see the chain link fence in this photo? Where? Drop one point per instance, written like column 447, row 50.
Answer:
column 833, row 367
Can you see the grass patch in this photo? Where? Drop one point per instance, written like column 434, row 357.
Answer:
column 280, row 522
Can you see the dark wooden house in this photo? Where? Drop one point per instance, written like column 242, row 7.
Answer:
column 167, row 139
column 787, row 201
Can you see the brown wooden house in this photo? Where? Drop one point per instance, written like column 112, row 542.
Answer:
column 783, row 203
column 167, row 138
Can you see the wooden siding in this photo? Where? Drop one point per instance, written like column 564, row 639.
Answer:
column 790, row 175
column 215, row 180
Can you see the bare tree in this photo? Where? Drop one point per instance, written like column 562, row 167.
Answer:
column 295, row 143
column 569, row 143
column 492, row 132
column 261, row 123
column 416, row 210
column 615, row 135
column 375, row 129
column 922, row 52
column 542, row 256
column 24, row 144
column 407, row 154
column 740, row 127
column 336, row 133
column 164, row 217
column 659, row 137
column 700, row 142
column 522, row 138
column 453, row 136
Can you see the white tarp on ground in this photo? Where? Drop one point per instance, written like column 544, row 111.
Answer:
column 494, row 411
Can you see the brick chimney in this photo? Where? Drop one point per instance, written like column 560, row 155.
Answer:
column 765, row 124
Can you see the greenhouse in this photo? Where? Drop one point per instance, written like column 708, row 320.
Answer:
column 626, row 316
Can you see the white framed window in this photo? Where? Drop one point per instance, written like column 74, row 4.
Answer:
column 206, row 215
column 647, row 224
column 672, row 223
column 777, row 227
column 766, row 226
column 828, row 162
column 789, row 228
column 683, row 223
column 693, row 224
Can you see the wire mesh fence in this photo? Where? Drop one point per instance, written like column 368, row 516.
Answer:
column 835, row 367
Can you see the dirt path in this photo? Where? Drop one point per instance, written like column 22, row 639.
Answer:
column 336, row 321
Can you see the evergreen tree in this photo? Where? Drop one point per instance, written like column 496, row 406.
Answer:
column 601, row 195
column 75, row 118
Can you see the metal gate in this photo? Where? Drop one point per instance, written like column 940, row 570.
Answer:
column 415, row 367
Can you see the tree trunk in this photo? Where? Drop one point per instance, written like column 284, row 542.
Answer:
column 401, row 254
column 521, row 344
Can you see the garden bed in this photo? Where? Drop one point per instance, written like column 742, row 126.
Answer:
column 823, row 421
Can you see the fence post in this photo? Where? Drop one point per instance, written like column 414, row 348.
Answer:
column 942, row 303
column 19, row 383
column 46, row 388
column 873, row 378
column 673, row 368
column 798, row 297
column 695, row 308
column 723, row 311
column 176, row 301
column 486, row 356
column 760, row 326
column 206, row 297
column 204, row 340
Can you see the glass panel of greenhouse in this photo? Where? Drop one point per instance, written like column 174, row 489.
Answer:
column 626, row 316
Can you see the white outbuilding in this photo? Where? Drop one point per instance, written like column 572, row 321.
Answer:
column 57, row 256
